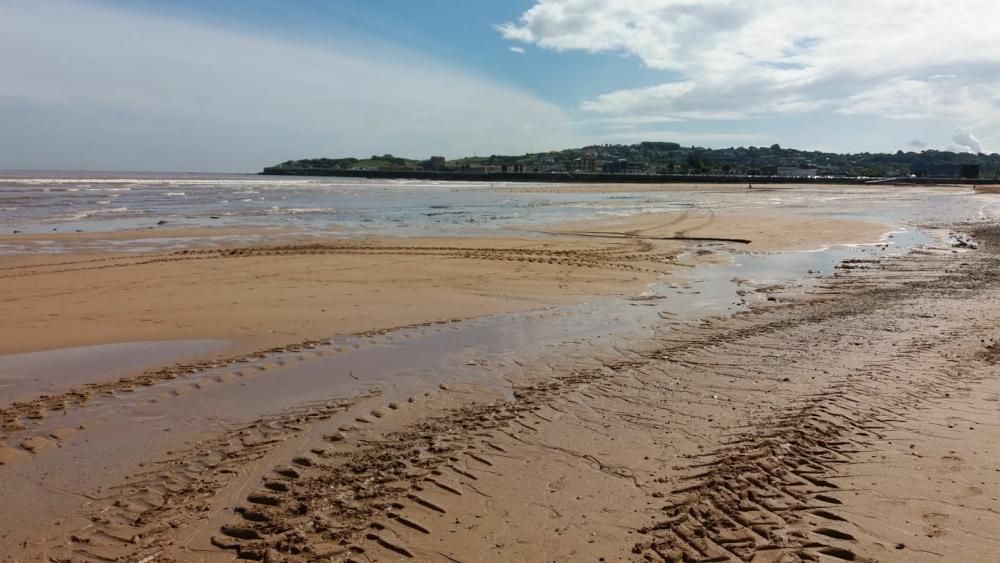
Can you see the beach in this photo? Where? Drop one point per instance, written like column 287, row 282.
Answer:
column 498, row 373
column 306, row 289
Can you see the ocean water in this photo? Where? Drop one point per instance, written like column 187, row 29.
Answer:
column 43, row 202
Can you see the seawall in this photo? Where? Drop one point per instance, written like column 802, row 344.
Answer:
column 571, row 177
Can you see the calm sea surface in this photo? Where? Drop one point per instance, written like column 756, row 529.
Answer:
column 37, row 202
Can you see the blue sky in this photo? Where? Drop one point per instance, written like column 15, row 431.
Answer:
column 457, row 32
column 236, row 85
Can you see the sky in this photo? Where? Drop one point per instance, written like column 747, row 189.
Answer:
column 236, row 85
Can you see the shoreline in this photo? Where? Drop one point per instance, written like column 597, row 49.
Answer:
column 346, row 285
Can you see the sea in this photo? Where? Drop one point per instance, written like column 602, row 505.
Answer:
column 36, row 202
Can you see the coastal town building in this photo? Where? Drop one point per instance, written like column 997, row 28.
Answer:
column 796, row 172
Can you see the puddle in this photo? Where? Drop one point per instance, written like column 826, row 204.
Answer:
column 120, row 430
column 25, row 376
column 725, row 288
column 399, row 364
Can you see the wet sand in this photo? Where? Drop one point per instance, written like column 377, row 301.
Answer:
column 851, row 420
column 272, row 295
column 724, row 188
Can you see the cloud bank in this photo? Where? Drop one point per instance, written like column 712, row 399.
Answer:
column 913, row 59
column 964, row 138
column 86, row 85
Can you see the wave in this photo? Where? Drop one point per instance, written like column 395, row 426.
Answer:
column 88, row 213
column 301, row 210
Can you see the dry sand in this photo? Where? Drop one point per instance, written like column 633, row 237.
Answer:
column 762, row 231
column 267, row 296
column 855, row 422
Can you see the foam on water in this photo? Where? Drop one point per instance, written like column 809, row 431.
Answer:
column 42, row 202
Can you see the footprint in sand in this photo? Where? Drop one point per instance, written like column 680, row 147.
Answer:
column 952, row 463
column 973, row 491
column 933, row 522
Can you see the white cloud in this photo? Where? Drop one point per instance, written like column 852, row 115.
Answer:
column 964, row 138
column 518, row 50
column 922, row 99
column 701, row 138
column 88, row 85
column 736, row 59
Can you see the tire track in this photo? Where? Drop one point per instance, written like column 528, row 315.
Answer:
column 23, row 415
column 752, row 496
column 623, row 258
column 743, row 502
column 366, row 501
column 755, row 497
column 138, row 520
column 771, row 492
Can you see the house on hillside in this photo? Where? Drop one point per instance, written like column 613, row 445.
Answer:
column 797, row 172
column 585, row 164
column 623, row 166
